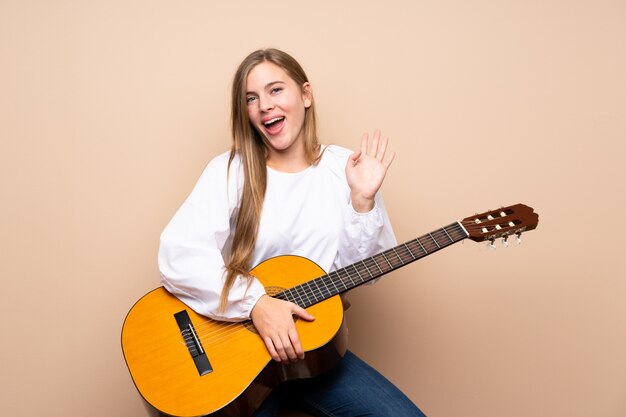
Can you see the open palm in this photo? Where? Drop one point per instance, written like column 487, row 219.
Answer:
column 366, row 170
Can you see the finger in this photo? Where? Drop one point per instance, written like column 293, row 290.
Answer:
column 355, row 156
column 364, row 139
column 374, row 144
column 302, row 313
column 289, row 348
column 295, row 342
column 382, row 148
column 389, row 160
column 280, row 349
column 270, row 348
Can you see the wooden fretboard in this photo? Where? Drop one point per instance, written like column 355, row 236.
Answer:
column 351, row 276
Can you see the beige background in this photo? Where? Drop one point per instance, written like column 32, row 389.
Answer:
column 110, row 110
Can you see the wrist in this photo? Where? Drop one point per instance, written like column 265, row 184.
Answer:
column 362, row 204
column 259, row 303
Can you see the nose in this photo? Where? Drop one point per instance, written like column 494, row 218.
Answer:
column 266, row 104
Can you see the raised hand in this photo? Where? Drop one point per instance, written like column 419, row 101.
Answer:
column 273, row 319
column 366, row 170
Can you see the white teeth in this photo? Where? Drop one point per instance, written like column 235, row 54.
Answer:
column 269, row 122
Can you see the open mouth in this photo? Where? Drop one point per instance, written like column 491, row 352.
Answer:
column 274, row 125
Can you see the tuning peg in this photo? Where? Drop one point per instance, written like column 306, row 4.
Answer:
column 504, row 241
column 492, row 244
column 519, row 238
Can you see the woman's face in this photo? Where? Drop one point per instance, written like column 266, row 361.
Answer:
column 276, row 107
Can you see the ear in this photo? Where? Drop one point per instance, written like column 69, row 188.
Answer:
column 307, row 95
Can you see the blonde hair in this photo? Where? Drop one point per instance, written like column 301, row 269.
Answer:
column 250, row 145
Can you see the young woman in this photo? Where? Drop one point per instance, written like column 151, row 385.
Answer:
column 279, row 192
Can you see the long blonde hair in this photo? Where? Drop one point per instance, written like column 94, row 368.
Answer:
column 250, row 145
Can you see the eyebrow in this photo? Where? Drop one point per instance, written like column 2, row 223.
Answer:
column 268, row 85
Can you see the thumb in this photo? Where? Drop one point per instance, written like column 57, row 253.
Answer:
column 355, row 156
column 302, row 313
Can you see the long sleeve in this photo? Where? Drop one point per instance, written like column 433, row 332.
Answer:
column 194, row 243
column 365, row 234
column 306, row 214
column 362, row 234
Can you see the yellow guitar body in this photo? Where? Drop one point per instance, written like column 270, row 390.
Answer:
column 243, row 373
column 237, row 373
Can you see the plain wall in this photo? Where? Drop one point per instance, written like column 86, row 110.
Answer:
column 109, row 110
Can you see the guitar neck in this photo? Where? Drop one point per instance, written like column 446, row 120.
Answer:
column 351, row 276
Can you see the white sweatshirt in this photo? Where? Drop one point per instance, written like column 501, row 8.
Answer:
column 308, row 213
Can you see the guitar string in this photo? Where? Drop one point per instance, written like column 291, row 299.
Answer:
column 359, row 269
column 316, row 292
column 208, row 343
column 478, row 227
column 401, row 251
column 298, row 300
column 228, row 330
column 224, row 329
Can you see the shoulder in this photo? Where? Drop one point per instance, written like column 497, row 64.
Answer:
column 218, row 167
column 221, row 160
column 219, row 176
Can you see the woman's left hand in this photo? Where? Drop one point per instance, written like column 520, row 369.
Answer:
column 366, row 170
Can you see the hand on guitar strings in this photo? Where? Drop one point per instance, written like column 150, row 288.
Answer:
column 366, row 169
column 273, row 319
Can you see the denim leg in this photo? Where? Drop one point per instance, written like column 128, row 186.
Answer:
column 352, row 389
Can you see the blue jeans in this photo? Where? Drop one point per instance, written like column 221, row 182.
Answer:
column 352, row 388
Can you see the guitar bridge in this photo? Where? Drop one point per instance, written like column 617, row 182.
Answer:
column 194, row 346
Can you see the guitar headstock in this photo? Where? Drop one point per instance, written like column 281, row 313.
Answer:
column 501, row 223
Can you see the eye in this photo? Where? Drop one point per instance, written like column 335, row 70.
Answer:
column 250, row 99
column 276, row 90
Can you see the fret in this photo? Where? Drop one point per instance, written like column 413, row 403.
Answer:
column 383, row 254
column 399, row 251
column 343, row 281
column 319, row 283
column 300, row 295
column 311, row 291
column 317, row 288
column 461, row 231
column 329, row 284
column 367, row 269
column 375, row 263
column 348, row 277
column 421, row 246
column 409, row 251
column 357, row 272
column 289, row 295
column 394, row 251
column 334, row 285
column 348, row 283
column 303, row 297
column 296, row 295
column 431, row 236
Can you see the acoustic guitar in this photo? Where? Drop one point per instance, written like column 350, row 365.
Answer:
column 185, row 364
